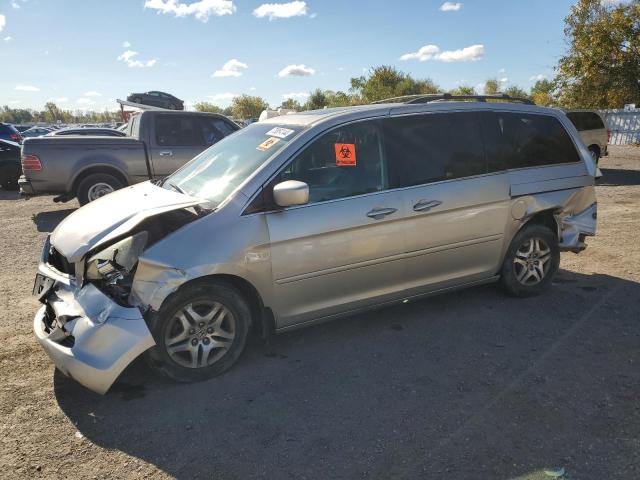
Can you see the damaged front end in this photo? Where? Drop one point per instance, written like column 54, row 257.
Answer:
column 87, row 324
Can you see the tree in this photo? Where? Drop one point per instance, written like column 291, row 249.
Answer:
column 387, row 82
column 516, row 92
column 544, row 93
column 291, row 104
column 491, row 86
column 463, row 90
column 602, row 66
column 317, row 99
column 207, row 107
column 247, row 106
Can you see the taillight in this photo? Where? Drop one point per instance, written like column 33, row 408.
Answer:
column 15, row 136
column 31, row 163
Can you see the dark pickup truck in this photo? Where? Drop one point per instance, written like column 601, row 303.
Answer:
column 157, row 144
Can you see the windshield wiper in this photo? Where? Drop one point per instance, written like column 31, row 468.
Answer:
column 177, row 188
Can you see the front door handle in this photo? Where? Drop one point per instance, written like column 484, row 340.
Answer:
column 380, row 213
column 166, row 153
column 426, row 205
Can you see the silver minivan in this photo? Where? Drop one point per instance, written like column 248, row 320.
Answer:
column 310, row 217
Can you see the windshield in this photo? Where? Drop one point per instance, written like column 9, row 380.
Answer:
column 217, row 171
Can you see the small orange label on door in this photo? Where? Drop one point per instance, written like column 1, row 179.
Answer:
column 345, row 154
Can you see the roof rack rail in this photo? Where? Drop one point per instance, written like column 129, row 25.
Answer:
column 439, row 97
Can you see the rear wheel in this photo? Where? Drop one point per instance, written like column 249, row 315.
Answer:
column 96, row 185
column 531, row 262
column 9, row 175
column 200, row 332
column 595, row 154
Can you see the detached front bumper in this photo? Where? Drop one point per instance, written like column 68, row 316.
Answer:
column 89, row 337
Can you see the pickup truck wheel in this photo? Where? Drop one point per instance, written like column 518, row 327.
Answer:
column 9, row 175
column 531, row 262
column 200, row 332
column 96, row 185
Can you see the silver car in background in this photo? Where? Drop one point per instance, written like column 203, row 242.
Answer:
column 310, row 217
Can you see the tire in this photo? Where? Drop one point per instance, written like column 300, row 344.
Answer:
column 96, row 185
column 521, row 276
column 200, row 332
column 595, row 154
column 172, row 107
column 9, row 175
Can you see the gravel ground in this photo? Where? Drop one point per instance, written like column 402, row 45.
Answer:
column 468, row 385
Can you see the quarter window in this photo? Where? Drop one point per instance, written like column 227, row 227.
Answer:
column 520, row 140
column 345, row 162
column 434, row 147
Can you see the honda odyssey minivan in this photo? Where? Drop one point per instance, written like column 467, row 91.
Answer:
column 310, row 217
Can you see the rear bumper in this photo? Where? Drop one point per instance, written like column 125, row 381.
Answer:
column 575, row 228
column 26, row 189
column 88, row 336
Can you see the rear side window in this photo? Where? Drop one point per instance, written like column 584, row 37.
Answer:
column 434, row 147
column 520, row 140
column 177, row 130
column 586, row 121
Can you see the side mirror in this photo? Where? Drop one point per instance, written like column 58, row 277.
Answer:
column 291, row 192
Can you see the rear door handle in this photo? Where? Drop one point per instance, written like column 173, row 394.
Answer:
column 379, row 213
column 426, row 205
column 166, row 153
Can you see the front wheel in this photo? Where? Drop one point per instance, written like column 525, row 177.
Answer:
column 200, row 332
column 96, row 185
column 531, row 262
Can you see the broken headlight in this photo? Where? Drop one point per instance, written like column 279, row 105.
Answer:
column 113, row 267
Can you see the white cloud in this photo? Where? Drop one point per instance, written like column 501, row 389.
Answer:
column 127, row 57
column 15, row 4
column 3, row 22
column 85, row 101
column 14, row 102
column 295, row 95
column 8, row 38
column 126, row 44
column 92, row 93
column 502, row 70
column 202, row 9
column 281, row 10
column 27, row 88
column 504, row 80
column 233, row 68
column 62, row 99
column 537, row 78
column 296, row 71
column 450, row 7
column 222, row 98
column 433, row 52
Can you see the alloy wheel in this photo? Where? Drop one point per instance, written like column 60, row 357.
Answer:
column 98, row 190
column 531, row 261
column 200, row 334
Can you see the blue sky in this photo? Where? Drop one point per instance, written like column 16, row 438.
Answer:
column 78, row 52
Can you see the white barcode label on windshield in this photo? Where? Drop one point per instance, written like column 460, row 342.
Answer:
column 280, row 132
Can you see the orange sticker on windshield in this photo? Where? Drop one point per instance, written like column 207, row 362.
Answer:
column 267, row 144
column 345, row 154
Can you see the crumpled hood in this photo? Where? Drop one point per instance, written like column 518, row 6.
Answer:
column 114, row 215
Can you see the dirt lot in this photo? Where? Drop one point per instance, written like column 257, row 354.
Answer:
column 468, row 385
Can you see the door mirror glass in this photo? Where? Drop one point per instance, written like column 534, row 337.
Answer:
column 291, row 192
